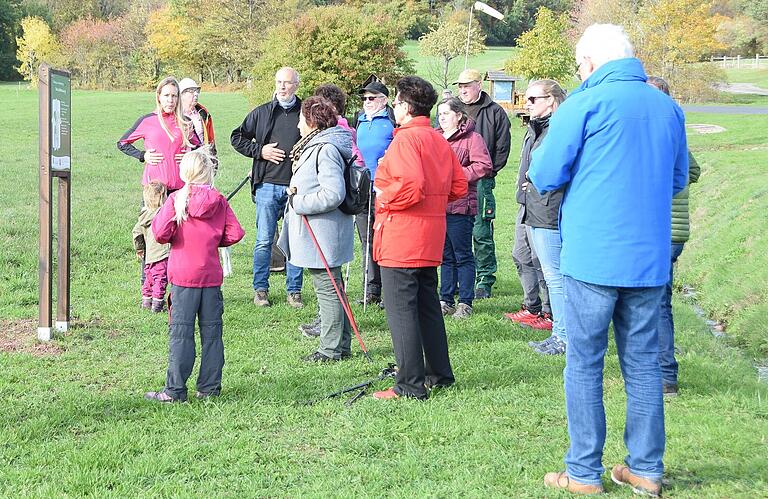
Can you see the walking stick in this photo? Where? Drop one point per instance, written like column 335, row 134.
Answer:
column 225, row 253
column 388, row 372
column 367, row 253
column 342, row 296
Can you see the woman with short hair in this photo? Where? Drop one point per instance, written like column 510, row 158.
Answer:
column 316, row 190
column 416, row 179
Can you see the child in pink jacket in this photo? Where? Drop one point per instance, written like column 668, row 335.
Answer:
column 196, row 220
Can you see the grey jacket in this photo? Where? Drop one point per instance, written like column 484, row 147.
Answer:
column 319, row 180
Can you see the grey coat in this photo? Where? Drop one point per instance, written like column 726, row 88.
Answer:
column 319, row 180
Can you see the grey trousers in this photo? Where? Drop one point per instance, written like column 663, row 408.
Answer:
column 364, row 222
column 335, row 329
column 529, row 269
column 207, row 304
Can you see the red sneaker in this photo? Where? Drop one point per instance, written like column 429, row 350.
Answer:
column 544, row 322
column 522, row 316
column 386, row 395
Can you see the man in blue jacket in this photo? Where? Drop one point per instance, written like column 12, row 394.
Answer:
column 620, row 148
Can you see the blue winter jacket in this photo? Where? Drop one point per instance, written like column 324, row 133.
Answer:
column 373, row 138
column 620, row 146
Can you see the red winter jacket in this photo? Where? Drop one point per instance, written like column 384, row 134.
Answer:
column 417, row 177
column 472, row 153
column 194, row 259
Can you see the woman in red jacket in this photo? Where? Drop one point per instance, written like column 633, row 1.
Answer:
column 197, row 221
column 417, row 177
column 458, row 268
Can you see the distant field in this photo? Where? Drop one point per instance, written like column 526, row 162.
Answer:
column 758, row 77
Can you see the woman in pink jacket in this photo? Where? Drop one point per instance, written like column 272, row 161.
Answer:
column 167, row 135
column 458, row 268
column 196, row 221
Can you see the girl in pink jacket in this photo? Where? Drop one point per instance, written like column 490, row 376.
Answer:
column 196, row 221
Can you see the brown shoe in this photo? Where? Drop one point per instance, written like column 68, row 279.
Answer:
column 294, row 300
column 261, row 299
column 561, row 480
column 621, row 475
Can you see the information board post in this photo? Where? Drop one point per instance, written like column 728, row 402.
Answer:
column 55, row 159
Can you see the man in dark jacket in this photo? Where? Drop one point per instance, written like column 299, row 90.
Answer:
column 267, row 135
column 492, row 123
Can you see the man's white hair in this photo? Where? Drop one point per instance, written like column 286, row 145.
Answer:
column 604, row 43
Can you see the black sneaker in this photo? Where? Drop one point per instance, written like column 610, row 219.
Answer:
column 317, row 357
column 482, row 294
column 669, row 389
column 370, row 299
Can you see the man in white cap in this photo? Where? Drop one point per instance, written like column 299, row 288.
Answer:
column 492, row 123
column 192, row 109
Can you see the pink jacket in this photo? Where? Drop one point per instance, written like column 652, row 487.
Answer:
column 472, row 153
column 343, row 123
column 194, row 259
column 148, row 129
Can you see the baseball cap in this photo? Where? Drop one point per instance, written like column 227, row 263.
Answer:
column 375, row 87
column 186, row 84
column 468, row 76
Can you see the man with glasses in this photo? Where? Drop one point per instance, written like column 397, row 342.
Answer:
column 375, row 125
column 620, row 147
column 492, row 123
column 267, row 135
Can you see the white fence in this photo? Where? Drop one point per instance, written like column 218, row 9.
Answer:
column 756, row 62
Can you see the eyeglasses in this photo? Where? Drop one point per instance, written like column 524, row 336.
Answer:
column 532, row 98
column 192, row 91
column 371, row 98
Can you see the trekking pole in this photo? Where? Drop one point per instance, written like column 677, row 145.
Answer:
column 339, row 292
column 388, row 372
column 226, row 253
column 367, row 253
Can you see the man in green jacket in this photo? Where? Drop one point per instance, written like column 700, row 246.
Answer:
column 680, row 234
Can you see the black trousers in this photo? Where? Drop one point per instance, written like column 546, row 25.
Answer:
column 364, row 222
column 418, row 330
column 207, row 305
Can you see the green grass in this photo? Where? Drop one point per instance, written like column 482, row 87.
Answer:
column 726, row 259
column 492, row 59
column 75, row 424
column 758, row 77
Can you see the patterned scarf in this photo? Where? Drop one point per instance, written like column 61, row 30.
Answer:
column 299, row 148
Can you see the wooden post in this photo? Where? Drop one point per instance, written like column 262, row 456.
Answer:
column 45, row 210
column 62, row 302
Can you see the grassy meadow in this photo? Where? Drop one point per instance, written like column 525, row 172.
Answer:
column 73, row 421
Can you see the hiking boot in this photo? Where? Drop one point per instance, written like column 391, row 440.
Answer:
column 462, row 311
column 669, row 389
column 311, row 330
column 545, row 341
column 318, row 357
column 554, row 347
column 544, row 322
column 482, row 294
column 204, row 395
column 369, row 299
column 522, row 315
column 294, row 300
column 561, row 480
column 161, row 396
column 261, row 299
column 146, row 302
column 158, row 305
column 446, row 309
column 621, row 475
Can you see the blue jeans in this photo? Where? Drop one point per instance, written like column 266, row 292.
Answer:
column 589, row 309
column 270, row 203
column 667, row 326
column 458, row 266
column 547, row 244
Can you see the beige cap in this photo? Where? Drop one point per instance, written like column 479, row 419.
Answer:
column 468, row 76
